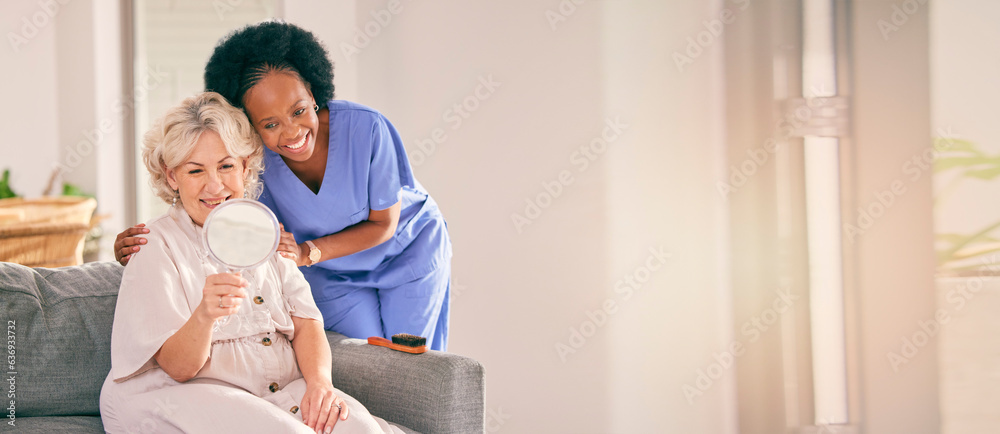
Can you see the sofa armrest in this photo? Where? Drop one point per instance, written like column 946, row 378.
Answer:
column 433, row 392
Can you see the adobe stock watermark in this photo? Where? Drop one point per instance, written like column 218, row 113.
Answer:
column 697, row 44
column 457, row 289
column 418, row 316
column 562, row 12
column 913, row 168
column 899, row 17
column 957, row 298
column 223, row 7
column 454, row 116
column 92, row 139
column 11, row 373
column 625, row 288
column 48, row 9
column 495, row 418
column 163, row 411
column 367, row 32
column 753, row 329
column 581, row 158
column 757, row 158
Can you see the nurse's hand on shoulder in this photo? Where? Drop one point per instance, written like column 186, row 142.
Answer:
column 127, row 242
column 223, row 294
column 288, row 248
column 321, row 407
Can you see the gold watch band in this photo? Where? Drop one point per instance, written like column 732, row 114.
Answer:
column 314, row 253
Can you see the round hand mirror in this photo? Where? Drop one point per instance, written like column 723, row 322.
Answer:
column 241, row 233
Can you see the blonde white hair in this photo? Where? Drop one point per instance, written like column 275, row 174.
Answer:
column 172, row 140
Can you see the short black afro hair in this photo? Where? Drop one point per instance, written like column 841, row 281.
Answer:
column 246, row 55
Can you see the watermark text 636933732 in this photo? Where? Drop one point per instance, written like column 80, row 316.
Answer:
column 11, row 400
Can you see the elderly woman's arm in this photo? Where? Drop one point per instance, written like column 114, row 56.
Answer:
column 312, row 351
column 186, row 351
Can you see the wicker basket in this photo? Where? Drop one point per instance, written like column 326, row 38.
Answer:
column 45, row 232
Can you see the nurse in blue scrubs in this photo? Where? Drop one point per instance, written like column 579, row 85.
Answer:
column 369, row 239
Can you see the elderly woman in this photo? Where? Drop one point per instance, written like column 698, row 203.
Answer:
column 174, row 366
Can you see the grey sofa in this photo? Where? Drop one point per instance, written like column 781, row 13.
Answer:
column 57, row 354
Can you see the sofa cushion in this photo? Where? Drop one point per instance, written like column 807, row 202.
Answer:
column 51, row 424
column 433, row 392
column 60, row 321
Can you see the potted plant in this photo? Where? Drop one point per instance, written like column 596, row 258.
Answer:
column 968, row 293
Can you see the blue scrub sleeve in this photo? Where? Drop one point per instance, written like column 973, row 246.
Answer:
column 384, row 188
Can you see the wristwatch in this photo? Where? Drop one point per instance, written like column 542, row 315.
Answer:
column 314, row 253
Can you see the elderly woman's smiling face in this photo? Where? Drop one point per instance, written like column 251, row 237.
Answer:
column 208, row 177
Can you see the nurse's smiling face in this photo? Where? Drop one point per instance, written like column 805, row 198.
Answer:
column 208, row 177
column 281, row 110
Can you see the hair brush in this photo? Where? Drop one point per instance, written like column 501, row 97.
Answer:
column 404, row 342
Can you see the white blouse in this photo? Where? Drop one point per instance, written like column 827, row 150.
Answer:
column 161, row 287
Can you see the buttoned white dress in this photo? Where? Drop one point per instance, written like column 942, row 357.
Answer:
column 251, row 381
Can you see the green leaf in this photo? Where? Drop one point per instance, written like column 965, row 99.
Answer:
column 962, row 156
column 951, row 238
column 72, row 190
column 5, row 190
column 952, row 254
column 984, row 174
column 945, row 145
column 972, row 252
column 944, row 163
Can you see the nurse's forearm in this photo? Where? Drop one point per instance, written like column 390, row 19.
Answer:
column 185, row 353
column 312, row 350
column 379, row 228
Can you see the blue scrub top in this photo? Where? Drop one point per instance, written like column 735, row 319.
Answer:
column 366, row 169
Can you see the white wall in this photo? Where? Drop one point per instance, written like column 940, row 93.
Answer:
column 894, row 257
column 661, row 192
column 516, row 293
column 330, row 21
column 30, row 95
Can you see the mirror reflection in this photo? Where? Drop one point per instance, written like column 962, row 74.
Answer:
column 241, row 233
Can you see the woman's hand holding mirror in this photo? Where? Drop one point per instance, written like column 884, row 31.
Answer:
column 222, row 296
column 240, row 234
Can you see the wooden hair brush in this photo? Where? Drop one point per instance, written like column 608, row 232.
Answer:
column 404, row 342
